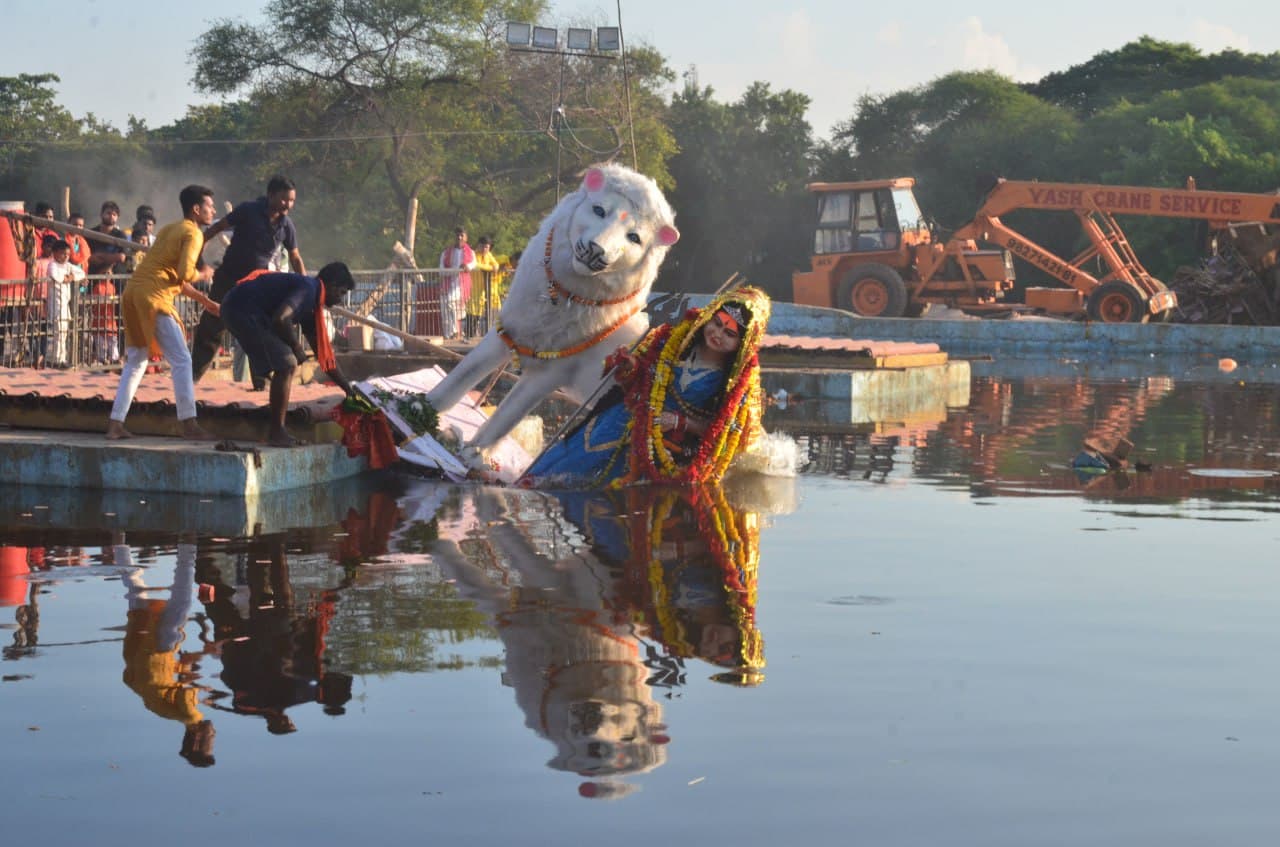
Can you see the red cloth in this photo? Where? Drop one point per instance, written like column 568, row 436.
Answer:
column 102, row 315
column 324, row 347
column 367, row 434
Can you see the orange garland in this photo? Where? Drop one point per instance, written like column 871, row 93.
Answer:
column 530, row 353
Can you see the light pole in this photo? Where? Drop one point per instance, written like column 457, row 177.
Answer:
column 530, row 38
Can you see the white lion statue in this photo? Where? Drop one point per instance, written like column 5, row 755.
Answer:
column 578, row 294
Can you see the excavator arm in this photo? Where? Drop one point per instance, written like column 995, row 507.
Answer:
column 1127, row 291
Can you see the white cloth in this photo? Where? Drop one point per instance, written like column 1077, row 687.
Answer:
column 61, row 275
column 173, row 344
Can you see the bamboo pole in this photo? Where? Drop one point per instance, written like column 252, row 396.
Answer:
column 421, row 343
column 58, row 226
column 407, row 338
column 66, row 202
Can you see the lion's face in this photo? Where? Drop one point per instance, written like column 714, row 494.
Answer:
column 611, row 233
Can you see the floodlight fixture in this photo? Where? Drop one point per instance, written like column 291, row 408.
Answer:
column 608, row 38
column 546, row 38
column 518, row 34
column 579, row 39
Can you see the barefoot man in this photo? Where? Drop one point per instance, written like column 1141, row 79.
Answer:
column 262, row 312
column 151, row 316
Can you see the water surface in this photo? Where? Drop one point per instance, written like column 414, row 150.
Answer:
column 940, row 633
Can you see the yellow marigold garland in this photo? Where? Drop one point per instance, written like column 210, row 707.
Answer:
column 733, row 539
column 739, row 413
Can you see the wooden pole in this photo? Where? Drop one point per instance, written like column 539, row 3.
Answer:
column 58, row 226
column 411, row 225
column 421, row 343
column 66, row 202
column 407, row 338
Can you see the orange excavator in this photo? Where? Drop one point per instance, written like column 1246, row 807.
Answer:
column 875, row 255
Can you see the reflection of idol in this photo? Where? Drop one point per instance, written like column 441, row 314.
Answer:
column 565, row 576
column 576, row 668
column 689, row 563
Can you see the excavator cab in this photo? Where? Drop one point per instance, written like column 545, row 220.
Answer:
column 874, row 254
column 868, row 220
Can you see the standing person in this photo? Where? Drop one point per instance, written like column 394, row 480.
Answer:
column 262, row 313
column 144, row 233
column 485, row 299
column 61, row 275
column 106, row 258
column 151, row 317
column 80, row 249
column 261, row 227
column 45, row 237
column 103, row 325
column 455, row 287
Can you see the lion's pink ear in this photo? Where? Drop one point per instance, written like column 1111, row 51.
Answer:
column 594, row 180
column 668, row 235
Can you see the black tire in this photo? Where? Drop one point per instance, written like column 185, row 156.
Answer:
column 1117, row 302
column 873, row 291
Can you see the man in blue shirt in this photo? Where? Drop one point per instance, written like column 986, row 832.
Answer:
column 262, row 313
column 260, row 227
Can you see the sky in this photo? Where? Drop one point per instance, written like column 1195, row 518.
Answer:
column 118, row 58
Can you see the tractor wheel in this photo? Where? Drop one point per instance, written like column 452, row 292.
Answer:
column 874, row 291
column 1117, row 302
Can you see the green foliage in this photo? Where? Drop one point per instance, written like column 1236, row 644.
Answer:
column 739, row 196
column 413, row 408
column 1142, row 70
column 29, row 114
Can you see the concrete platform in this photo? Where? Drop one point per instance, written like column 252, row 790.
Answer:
column 840, row 400
column 160, row 465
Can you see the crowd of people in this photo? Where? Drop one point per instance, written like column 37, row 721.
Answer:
column 129, row 311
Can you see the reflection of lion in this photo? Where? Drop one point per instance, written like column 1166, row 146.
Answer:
column 576, row 668
column 577, row 295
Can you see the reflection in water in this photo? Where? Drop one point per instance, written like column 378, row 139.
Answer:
column 154, row 668
column 272, row 646
column 598, row 599
column 1017, row 438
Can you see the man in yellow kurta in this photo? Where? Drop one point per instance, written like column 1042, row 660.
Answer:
column 151, row 320
column 154, row 668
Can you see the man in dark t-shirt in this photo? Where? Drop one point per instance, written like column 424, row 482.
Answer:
column 265, row 312
column 260, row 227
column 108, row 258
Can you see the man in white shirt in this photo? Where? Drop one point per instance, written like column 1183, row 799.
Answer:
column 456, row 286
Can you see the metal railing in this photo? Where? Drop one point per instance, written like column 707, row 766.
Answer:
column 80, row 326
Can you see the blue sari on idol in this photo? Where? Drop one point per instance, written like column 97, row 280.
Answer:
column 595, row 453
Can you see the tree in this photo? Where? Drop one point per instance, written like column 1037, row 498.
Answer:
column 1142, row 70
column 29, row 117
column 739, row 192
column 392, row 100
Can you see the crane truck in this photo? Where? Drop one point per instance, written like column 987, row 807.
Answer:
column 875, row 255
